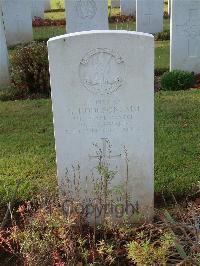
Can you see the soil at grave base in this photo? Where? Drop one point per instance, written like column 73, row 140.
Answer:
column 197, row 85
column 7, row 259
column 161, row 201
column 157, row 85
column 2, row 212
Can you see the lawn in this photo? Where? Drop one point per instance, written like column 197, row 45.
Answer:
column 27, row 145
column 44, row 33
column 125, row 26
column 177, row 141
column 162, row 54
column 162, row 49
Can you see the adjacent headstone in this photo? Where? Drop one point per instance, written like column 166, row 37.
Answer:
column 115, row 3
column 38, row 8
column 17, row 21
column 185, row 35
column 84, row 15
column 103, row 92
column 47, row 5
column 4, row 73
column 149, row 15
column 128, row 7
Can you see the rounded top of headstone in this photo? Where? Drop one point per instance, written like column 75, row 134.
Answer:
column 107, row 32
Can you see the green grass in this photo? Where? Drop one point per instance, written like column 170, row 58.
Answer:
column 126, row 26
column 177, row 139
column 27, row 145
column 162, row 52
column 162, row 49
column 44, row 33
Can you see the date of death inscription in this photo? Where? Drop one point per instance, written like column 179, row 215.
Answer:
column 101, row 117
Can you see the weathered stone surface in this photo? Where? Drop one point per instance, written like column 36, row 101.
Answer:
column 47, row 5
column 115, row 3
column 38, row 7
column 84, row 15
column 149, row 15
column 185, row 35
column 128, row 7
column 18, row 21
column 103, row 93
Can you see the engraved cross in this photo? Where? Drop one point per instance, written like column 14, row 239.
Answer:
column 148, row 14
column 103, row 155
column 191, row 29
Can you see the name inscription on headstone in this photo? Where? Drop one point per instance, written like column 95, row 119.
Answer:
column 103, row 116
column 106, row 117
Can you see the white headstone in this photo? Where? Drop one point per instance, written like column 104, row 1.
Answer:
column 185, row 36
column 38, row 8
column 84, row 15
column 128, row 7
column 149, row 15
column 103, row 93
column 47, row 5
column 4, row 73
column 17, row 20
column 115, row 3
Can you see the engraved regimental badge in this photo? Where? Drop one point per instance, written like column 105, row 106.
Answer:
column 102, row 71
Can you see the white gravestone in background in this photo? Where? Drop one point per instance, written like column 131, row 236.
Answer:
column 84, row 15
column 115, row 3
column 128, row 7
column 38, row 8
column 149, row 15
column 103, row 106
column 18, row 21
column 4, row 73
column 185, row 36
